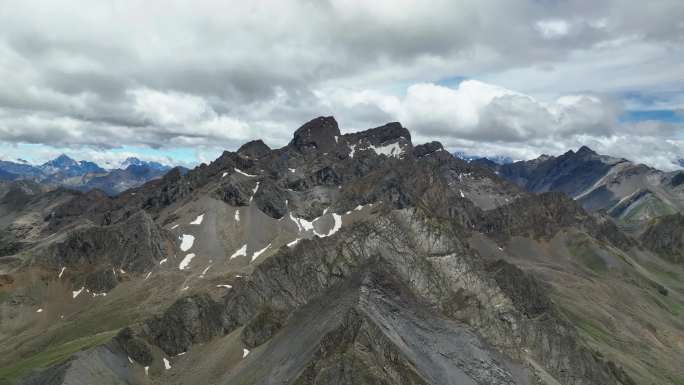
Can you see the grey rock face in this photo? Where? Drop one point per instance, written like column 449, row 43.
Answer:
column 53, row 375
column 99, row 365
column 398, row 256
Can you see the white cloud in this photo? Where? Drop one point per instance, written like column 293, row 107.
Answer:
column 211, row 75
column 482, row 111
column 551, row 29
column 483, row 119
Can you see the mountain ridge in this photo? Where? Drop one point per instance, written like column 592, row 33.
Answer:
column 332, row 260
column 632, row 193
column 64, row 171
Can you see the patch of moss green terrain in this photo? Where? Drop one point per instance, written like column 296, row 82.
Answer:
column 51, row 355
column 35, row 349
column 649, row 207
column 600, row 335
column 583, row 248
column 642, row 339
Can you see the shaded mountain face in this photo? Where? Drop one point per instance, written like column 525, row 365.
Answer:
column 631, row 193
column 665, row 236
column 357, row 258
column 83, row 175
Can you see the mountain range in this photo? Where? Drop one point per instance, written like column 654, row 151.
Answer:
column 64, row 171
column 630, row 193
column 358, row 258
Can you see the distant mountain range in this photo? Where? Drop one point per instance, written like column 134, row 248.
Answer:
column 498, row 159
column 629, row 192
column 64, row 171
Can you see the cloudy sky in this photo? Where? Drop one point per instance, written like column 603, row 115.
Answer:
column 179, row 81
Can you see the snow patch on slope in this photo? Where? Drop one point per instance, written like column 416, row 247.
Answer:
column 186, row 242
column 186, row 261
column 244, row 173
column 239, row 252
column 77, row 292
column 258, row 253
column 198, row 220
column 256, row 188
column 392, row 149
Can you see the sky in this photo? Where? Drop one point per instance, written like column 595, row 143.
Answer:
column 181, row 81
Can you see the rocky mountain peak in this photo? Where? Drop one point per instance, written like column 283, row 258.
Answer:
column 385, row 133
column 318, row 134
column 584, row 151
column 61, row 161
column 254, row 149
column 427, row 148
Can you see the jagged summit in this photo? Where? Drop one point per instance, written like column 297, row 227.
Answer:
column 254, row 149
column 427, row 148
column 584, row 150
column 61, row 161
column 385, row 133
column 321, row 134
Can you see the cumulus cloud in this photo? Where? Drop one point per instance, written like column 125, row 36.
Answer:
column 483, row 119
column 480, row 111
column 210, row 75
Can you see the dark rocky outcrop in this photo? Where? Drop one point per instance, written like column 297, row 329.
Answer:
column 190, row 320
column 427, row 148
column 263, row 326
column 544, row 215
column 382, row 134
column 527, row 293
column 254, row 149
column 270, row 199
column 317, row 135
column 134, row 347
column 134, row 245
column 233, row 194
column 677, row 180
column 101, row 281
